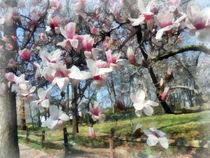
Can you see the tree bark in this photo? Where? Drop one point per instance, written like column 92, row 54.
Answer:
column 8, row 116
column 21, row 112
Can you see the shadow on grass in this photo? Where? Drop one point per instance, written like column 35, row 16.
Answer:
column 38, row 145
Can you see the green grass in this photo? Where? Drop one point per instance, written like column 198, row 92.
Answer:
column 183, row 126
column 183, row 123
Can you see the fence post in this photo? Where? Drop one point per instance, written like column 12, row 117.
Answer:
column 66, row 144
column 111, row 143
column 43, row 138
column 27, row 134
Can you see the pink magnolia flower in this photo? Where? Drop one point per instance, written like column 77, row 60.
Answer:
column 56, row 5
column 199, row 19
column 165, row 93
column 113, row 60
column 53, row 57
column 12, row 63
column 147, row 13
column 96, row 112
column 101, row 64
column 57, row 118
column 173, row 5
column 69, row 30
column 87, row 43
column 54, row 22
column 98, row 74
column 71, row 39
column 68, row 44
column 156, row 136
column 61, row 76
column 131, row 56
column 140, row 104
column 168, row 24
column 25, row 54
column 79, row 5
column 92, row 133
column 165, row 18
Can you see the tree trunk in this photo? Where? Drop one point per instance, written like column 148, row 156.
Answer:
column 74, row 109
column 8, row 116
column 21, row 112
column 151, row 72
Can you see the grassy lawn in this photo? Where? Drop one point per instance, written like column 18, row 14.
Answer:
column 184, row 126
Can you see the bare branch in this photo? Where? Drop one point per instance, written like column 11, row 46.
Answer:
column 200, row 48
column 185, row 87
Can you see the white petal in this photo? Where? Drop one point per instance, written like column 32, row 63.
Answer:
column 152, row 140
column 138, row 106
column 151, row 103
column 74, row 43
column 163, row 142
column 161, row 31
column 64, row 117
column 47, row 28
column 148, row 110
column 61, row 82
column 138, row 21
column 140, row 4
column 41, row 93
column 147, row 133
column 45, row 103
column 91, row 65
column 160, row 133
column 77, row 74
column 103, row 71
column 54, row 112
column 140, row 96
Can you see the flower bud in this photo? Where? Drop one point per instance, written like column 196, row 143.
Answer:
column 131, row 56
column 165, row 93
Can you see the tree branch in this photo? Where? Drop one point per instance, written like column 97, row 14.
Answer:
column 185, row 87
column 166, row 55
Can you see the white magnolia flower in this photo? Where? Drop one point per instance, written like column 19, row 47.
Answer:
column 96, row 112
column 140, row 104
column 156, row 136
column 44, row 96
column 57, row 118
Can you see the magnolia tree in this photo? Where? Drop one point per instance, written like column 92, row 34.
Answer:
column 63, row 47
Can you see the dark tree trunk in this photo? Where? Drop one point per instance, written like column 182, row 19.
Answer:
column 8, row 116
column 75, row 128
column 151, row 72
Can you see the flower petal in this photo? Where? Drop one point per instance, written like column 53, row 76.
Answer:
column 148, row 110
column 152, row 140
column 163, row 142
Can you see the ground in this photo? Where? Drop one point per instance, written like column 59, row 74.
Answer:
column 190, row 132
